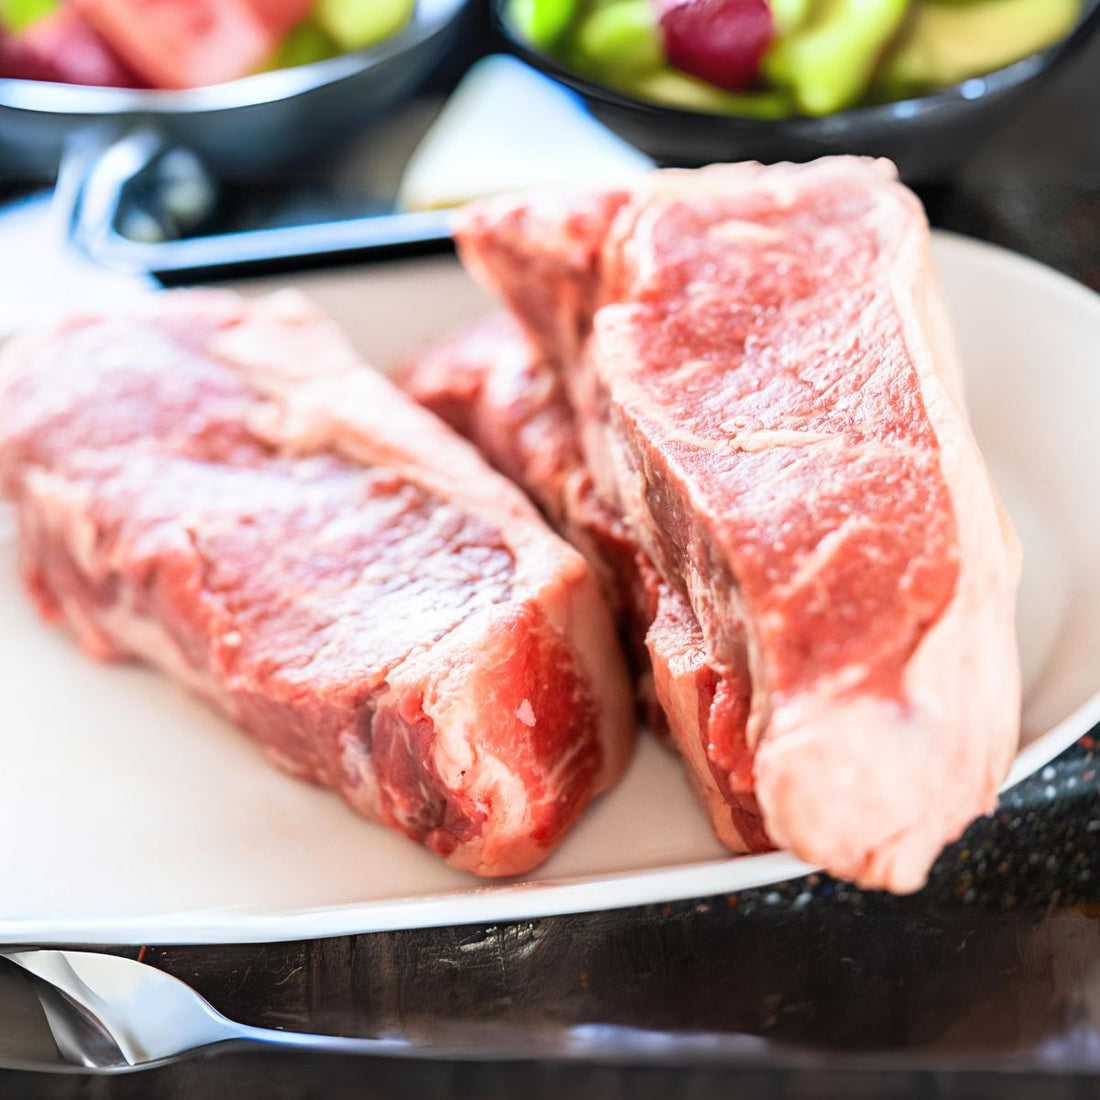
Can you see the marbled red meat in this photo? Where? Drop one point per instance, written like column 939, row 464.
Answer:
column 489, row 383
column 767, row 394
column 223, row 490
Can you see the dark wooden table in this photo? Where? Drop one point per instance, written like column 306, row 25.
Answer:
column 986, row 984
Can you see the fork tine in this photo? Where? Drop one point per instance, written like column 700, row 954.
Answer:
column 81, row 1038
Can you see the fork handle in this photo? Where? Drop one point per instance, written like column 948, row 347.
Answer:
column 378, row 1048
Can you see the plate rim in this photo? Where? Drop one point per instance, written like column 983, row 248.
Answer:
column 489, row 902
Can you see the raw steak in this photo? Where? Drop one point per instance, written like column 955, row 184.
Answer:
column 221, row 488
column 489, row 383
column 767, row 394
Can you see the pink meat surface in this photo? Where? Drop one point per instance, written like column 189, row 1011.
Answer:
column 220, row 488
column 489, row 382
column 767, row 394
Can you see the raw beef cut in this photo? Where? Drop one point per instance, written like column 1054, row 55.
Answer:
column 489, row 383
column 220, row 488
column 766, row 392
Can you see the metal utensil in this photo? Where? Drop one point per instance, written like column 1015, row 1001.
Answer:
column 110, row 1013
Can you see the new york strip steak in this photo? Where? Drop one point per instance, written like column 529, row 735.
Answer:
column 490, row 383
column 222, row 489
column 766, row 393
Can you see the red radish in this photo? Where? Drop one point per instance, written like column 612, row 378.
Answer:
column 720, row 41
column 63, row 48
column 190, row 43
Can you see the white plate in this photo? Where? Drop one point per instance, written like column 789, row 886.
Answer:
column 133, row 814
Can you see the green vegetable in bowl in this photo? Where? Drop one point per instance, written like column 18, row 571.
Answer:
column 618, row 42
column 17, row 15
column 675, row 89
column 357, row 24
column 303, row 45
column 952, row 40
column 543, row 22
column 620, row 37
column 770, row 58
column 827, row 63
column 789, row 15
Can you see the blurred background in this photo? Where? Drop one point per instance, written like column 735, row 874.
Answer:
column 202, row 138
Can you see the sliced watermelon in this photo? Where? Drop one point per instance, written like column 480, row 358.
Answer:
column 191, row 43
column 61, row 47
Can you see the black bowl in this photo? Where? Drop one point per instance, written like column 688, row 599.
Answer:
column 927, row 137
column 246, row 126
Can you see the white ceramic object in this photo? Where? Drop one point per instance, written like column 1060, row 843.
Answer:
column 130, row 813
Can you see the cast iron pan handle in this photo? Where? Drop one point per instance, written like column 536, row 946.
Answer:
column 120, row 192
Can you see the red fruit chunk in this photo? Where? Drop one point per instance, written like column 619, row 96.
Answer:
column 191, row 43
column 720, row 41
column 63, row 48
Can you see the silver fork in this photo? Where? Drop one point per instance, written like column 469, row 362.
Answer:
column 112, row 1013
